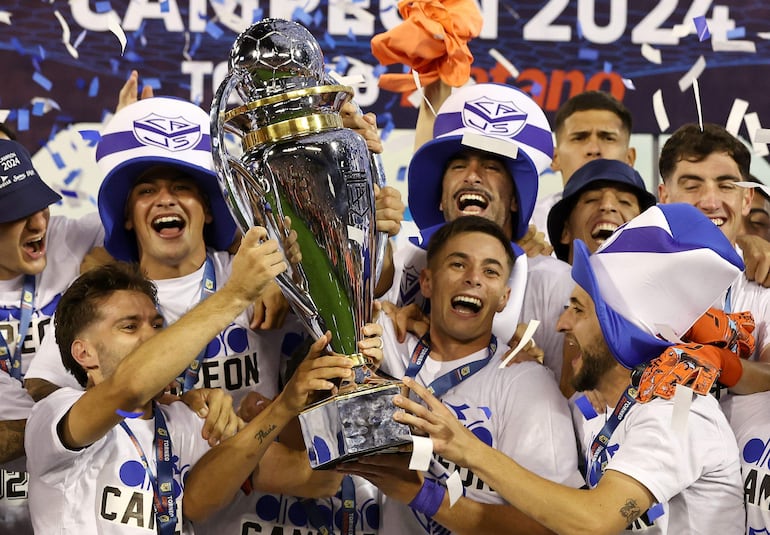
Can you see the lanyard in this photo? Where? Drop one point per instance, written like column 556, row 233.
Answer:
column 209, row 285
column 317, row 518
column 163, row 484
column 597, row 458
column 442, row 385
column 11, row 362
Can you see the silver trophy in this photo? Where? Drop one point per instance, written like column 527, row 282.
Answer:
column 296, row 159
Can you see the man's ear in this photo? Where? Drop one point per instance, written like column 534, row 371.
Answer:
column 662, row 193
column 631, row 156
column 566, row 234
column 128, row 221
column 504, row 299
column 85, row 355
column 426, row 283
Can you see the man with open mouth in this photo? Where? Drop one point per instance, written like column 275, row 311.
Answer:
column 39, row 256
column 600, row 196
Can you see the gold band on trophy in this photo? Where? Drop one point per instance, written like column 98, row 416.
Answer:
column 291, row 128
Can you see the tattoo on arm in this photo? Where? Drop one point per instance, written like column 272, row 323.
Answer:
column 11, row 440
column 630, row 510
column 262, row 434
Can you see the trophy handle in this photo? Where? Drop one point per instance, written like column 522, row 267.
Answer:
column 246, row 213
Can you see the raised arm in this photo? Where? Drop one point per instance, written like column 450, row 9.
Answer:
column 155, row 363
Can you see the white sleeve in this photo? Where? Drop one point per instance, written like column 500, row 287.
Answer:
column 15, row 402
column 48, row 365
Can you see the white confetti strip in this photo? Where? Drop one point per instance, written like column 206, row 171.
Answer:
column 763, row 35
column 696, row 91
column 5, row 17
column 629, row 84
column 734, row 46
column 753, row 126
column 421, row 91
column 65, row 34
column 422, row 453
column 502, row 60
column 660, row 111
column 695, row 71
column 115, row 27
column 735, row 118
column 454, row 487
column 762, row 135
column 651, row 54
column 4, row 115
column 525, row 338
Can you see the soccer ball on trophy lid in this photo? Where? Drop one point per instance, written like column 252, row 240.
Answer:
column 279, row 55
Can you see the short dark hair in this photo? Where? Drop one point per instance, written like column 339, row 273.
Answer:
column 691, row 143
column 8, row 131
column 593, row 100
column 79, row 306
column 468, row 223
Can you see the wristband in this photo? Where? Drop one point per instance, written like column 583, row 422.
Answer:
column 428, row 500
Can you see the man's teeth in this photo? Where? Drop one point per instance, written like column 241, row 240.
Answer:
column 167, row 221
column 603, row 231
column 35, row 245
column 718, row 221
column 468, row 302
column 471, row 199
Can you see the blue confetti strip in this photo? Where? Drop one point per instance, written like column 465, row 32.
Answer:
column 579, row 30
column 392, row 102
column 38, row 109
column 300, row 15
column 318, row 18
column 91, row 136
column 164, row 6
column 656, row 511
column 257, row 15
column 103, row 7
column 152, row 82
column 342, row 65
column 41, row 52
column 42, row 81
column 401, row 174
column 589, row 54
column 58, row 160
column 93, row 87
column 351, row 35
column 536, row 89
column 379, row 70
column 133, row 57
column 17, row 46
column 22, row 120
column 69, row 193
column 329, row 40
column 114, row 65
column 36, row 64
column 196, row 44
column 737, row 33
column 702, row 28
column 213, row 30
column 72, row 176
column 607, row 67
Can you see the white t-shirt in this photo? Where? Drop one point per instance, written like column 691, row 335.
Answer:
column 517, row 410
column 104, row 487
column 238, row 360
column 748, row 295
column 694, row 474
column 260, row 513
column 67, row 242
column 750, row 420
column 542, row 209
column 539, row 293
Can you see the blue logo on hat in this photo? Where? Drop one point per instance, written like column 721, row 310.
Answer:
column 171, row 133
column 494, row 117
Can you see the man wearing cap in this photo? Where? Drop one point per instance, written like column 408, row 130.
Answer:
column 654, row 464
column 39, row 256
column 600, row 196
column 517, row 410
column 490, row 143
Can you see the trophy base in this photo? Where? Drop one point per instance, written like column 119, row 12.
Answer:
column 353, row 424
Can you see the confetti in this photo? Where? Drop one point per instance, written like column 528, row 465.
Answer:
column 629, row 84
column 65, row 34
column 660, row 111
column 213, row 30
column 737, row 33
column 90, row 136
column 37, row 109
column 257, row 15
column 93, row 87
column 701, row 26
column 5, row 17
column 502, row 60
column 696, row 91
column 42, row 81
column 762, row 135
column 113, row 24
column 300, row 15
column 329, row 40
column 737, row 112
column 589, row 54
column 695, row 71
column 753, row 126
column 607, row 67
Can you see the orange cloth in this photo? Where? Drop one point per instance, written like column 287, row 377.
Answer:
column 432, row 40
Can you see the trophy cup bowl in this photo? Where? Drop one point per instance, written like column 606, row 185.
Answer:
column 297, row 160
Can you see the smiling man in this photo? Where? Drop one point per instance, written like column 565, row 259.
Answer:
column 643, row 469
column 600, row 196
column 701, row 168
column 39, row 256
column 517, row 410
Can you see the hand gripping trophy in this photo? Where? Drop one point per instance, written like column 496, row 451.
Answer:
column 298, row 161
